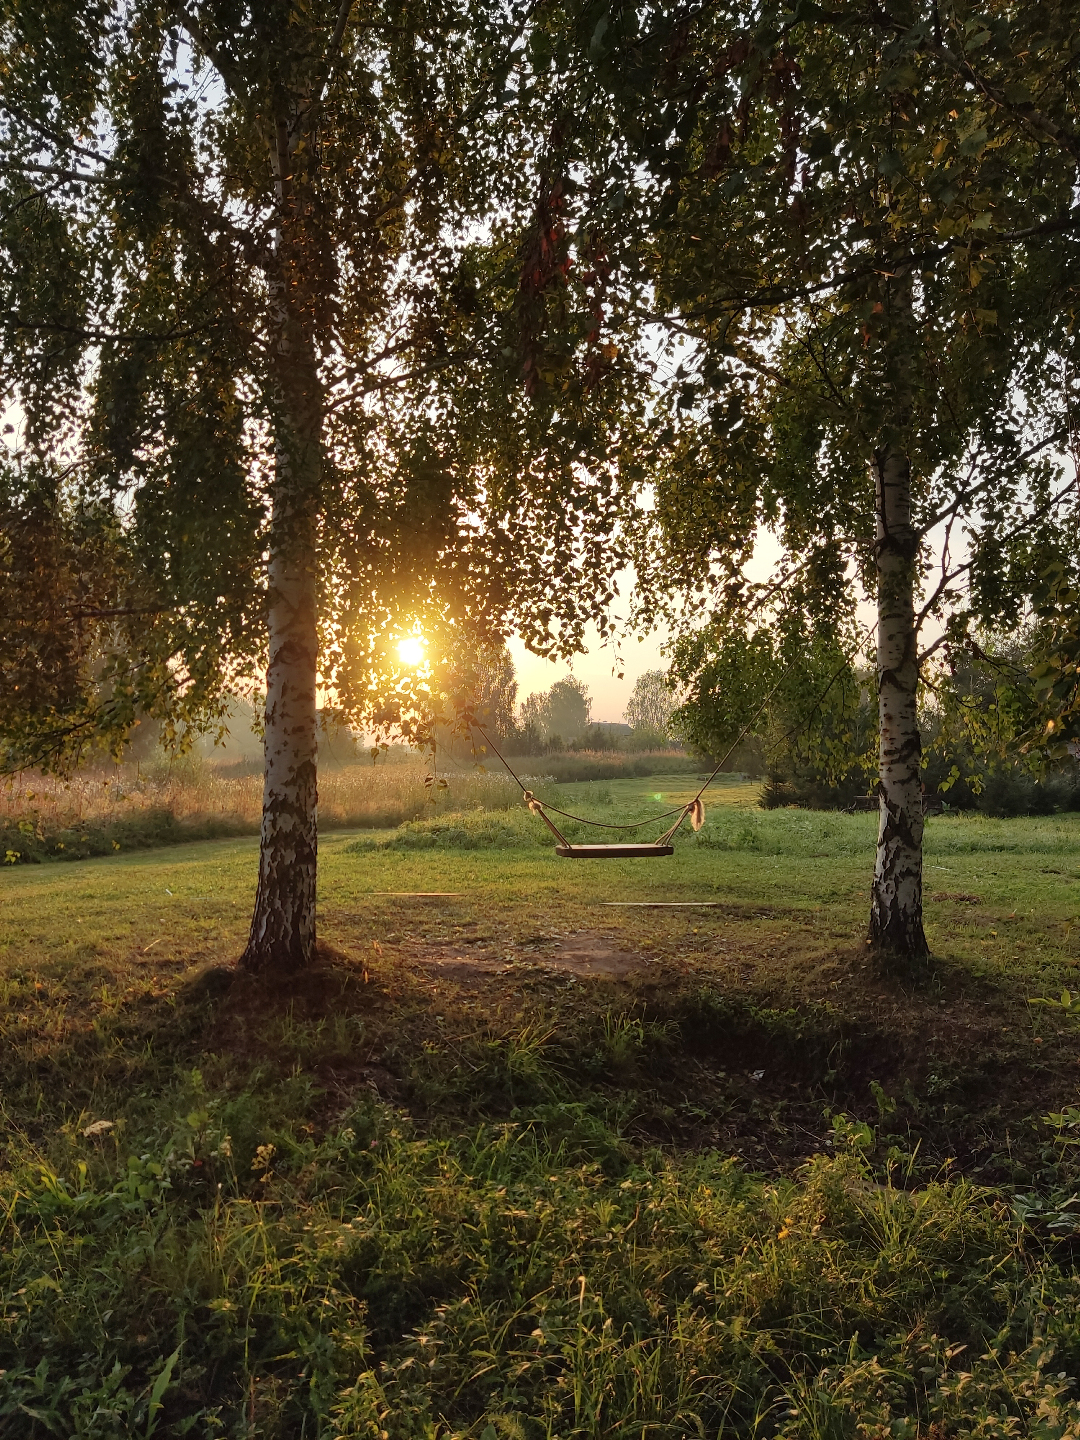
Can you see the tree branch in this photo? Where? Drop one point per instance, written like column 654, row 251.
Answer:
column 1026, row 112
column 1029, row 114
column 377, row 384
column 1025, row 524
column 254, row 250
column 399, row 197
column 26, row 167
column 329, row 60
column 220, row 61
column 966, row 495
column 79, row 613
column 28, row 199
column 47, row 133
column 768, row 299
column 95, row 333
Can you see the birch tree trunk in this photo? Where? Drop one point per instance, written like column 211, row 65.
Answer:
column 896, row 925
column 282, row 937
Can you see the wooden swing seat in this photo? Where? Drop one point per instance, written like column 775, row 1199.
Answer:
column 613, row 852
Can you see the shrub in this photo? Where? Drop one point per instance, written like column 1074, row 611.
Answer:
column 809, row 792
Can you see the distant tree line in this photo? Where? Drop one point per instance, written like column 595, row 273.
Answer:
column 480, row 700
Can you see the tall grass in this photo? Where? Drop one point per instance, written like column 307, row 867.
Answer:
column 44, row 817
column 235, row 1274
column 570, row 766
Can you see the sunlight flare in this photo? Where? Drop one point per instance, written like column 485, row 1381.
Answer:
column 411, row 650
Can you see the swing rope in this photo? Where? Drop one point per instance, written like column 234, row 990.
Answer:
column 693, row 810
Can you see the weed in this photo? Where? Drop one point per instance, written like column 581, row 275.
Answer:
column 492, row 1279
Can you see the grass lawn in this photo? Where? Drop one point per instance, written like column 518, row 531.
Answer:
column 545, row 1148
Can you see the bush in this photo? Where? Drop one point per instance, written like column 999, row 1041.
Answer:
column 649, row 737
column 809, row 792
column 27, row 842
column 1003, row 793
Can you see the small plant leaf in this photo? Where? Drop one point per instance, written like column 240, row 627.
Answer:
column 161, row 1384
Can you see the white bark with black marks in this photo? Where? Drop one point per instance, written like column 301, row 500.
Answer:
column 896, row 923
column 282, row 937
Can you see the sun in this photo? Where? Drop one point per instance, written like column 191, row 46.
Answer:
column 411, row 650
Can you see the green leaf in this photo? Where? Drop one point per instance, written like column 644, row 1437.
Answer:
column 161, row 1384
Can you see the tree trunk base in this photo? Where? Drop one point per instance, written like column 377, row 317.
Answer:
column 282, row 936
column 897, row 941
column 280, row 957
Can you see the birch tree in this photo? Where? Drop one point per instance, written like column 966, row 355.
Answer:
column 240, row 329
column 651, row 703
column 852, row 234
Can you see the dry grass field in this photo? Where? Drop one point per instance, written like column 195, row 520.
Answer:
column 100, row 812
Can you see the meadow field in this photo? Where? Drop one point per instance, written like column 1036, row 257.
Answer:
column 106, row 811
column 546, row 1148
column 44, row 817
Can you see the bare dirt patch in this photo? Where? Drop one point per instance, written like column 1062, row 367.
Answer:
column 588, row 954
column 462, row 967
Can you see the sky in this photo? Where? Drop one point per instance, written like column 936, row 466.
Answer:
column 598, row 669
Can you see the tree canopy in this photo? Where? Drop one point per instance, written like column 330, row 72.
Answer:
column 260, row 337
column 562, row 711
column 481, row 689
column 851, row 237
column 149, row 248
column 762, row 180
column 651, row 703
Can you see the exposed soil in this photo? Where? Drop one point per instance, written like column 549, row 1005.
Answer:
column 589, row 954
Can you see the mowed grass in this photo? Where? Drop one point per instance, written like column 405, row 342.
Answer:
column 443, row 1187
column 1002, row 896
